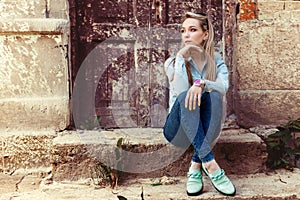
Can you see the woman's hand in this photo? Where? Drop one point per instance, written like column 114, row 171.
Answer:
column 190, row 51
column 193, row 95
column 196, row 53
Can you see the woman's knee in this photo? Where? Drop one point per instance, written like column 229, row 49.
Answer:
column 181, row 96
column 216, row 96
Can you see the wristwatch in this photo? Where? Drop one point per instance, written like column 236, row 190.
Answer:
column 199, row 83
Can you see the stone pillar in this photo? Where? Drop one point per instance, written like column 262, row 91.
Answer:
column 267, row 65
column 34, row 87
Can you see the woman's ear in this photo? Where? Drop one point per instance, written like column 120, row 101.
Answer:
column 206, row 35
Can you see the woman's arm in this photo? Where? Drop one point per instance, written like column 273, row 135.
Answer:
column 221, row 84
column 169, row 68
column 176, row 73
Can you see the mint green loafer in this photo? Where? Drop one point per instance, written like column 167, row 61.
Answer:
column 194, row 185
column 221, row 182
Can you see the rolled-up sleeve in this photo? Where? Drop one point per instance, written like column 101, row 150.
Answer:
column 221, row 84
column 178, row 80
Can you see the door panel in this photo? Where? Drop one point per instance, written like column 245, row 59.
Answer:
column 133, row 42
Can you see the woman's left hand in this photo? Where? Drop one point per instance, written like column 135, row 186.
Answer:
column 191, row 51
column 193, row 95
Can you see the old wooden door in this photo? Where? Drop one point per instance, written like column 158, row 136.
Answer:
column 132, row 41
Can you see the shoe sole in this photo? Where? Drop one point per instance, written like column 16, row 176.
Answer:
column 217, row 188
column 225, row 193
column 195, row 194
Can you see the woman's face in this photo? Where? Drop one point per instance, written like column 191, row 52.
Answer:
column 192, row 33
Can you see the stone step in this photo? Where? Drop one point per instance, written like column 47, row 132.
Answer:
column 146, row 154
column 279, row 185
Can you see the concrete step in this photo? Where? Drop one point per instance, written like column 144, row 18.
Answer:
column 279, row 185
column 146, row 154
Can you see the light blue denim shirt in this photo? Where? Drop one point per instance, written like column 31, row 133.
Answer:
column 178, row 79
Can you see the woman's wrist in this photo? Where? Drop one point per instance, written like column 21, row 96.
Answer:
column 199, row 83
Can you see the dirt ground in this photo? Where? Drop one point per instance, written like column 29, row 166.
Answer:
column 281, row 184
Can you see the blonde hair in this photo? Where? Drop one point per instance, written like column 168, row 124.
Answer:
column 208, row 45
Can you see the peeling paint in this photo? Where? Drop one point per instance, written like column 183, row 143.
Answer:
column 21, row 8
column 146, row 87
column 24, row 71
column 248, row 10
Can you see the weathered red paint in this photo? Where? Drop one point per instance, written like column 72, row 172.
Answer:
column 248, row 10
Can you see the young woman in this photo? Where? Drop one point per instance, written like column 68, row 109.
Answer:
column 198, row 81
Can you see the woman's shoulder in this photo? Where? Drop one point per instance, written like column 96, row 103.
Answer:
column 218, row 56
column 169, row 67
column 218, row 59
column 169, row 61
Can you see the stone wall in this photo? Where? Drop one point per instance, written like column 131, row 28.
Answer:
column 34, row 87
column 34, row 43
column 34, row 72
column 267, row 64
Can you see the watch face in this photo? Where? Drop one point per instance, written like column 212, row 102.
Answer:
column 197, row 82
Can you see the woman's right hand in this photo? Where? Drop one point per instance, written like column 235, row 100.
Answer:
column 192, row 97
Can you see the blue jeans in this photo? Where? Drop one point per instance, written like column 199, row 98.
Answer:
column 184, row 127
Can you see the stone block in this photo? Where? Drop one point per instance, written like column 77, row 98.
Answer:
column 271, row 107
column 22, row 9
column 266, row 70
column 283, row 16
column 39, row 26
column 34, row 90
column 33, row 66
column 266, row 15
column 34, row 9
column 34, row 113
column 25, row 149
column 75, row 157
column 279, row 16
column 240, row 152
column 267, row 57
column 295, row 16
column 58, row 9
column 271, row 6
column 292, row 5
column 78, row 155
